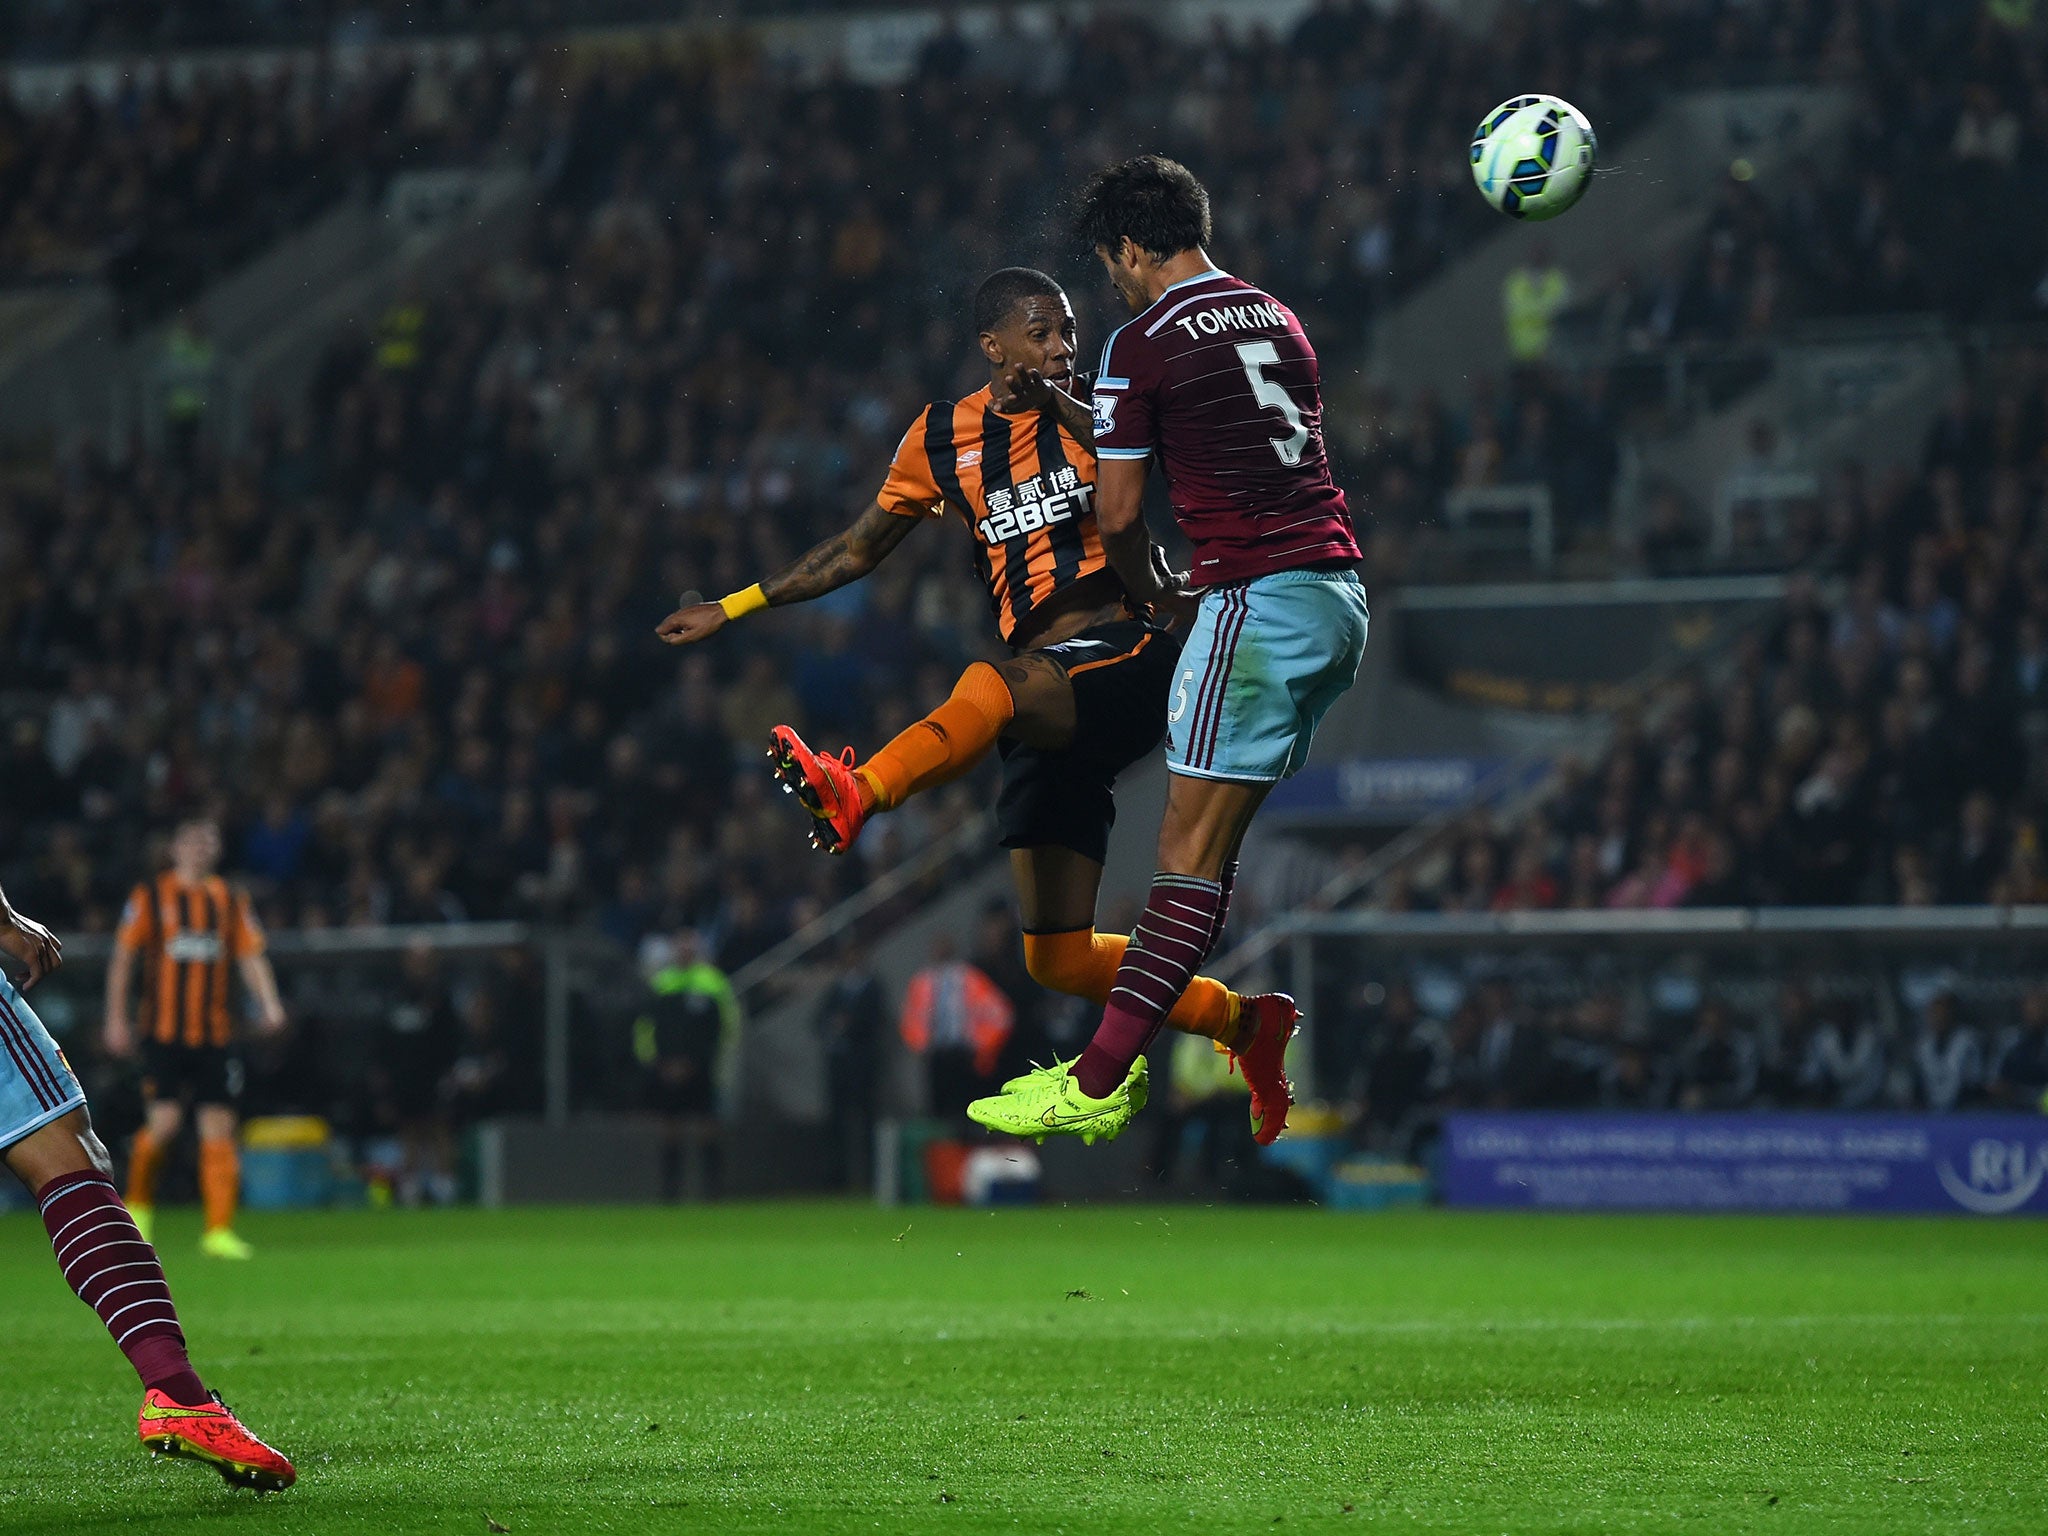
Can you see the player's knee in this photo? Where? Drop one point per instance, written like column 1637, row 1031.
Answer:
column 1061, row 962
column 987, row 690
column 96, row 1152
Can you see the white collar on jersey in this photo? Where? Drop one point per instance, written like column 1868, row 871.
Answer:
column 1186, row 282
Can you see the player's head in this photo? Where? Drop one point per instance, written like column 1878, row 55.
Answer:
column 1138, row 216
column 1024, row 320
column 195, row 846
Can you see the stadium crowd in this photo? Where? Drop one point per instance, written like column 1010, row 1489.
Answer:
column 162, row 188
column 1886, row 741
column 1926, row 209
column 1409, row 1051
column 402, row 641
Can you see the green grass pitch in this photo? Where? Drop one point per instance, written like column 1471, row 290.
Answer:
column 834, row 1368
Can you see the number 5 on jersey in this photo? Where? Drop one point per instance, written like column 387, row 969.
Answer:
column 1257, row 356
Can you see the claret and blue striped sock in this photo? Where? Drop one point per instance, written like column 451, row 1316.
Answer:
column 1180, row 924
column 116, row 1273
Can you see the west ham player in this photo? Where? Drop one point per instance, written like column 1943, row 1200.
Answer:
column 1082, row 699
column 191, row 928
column 1216, row 379
column 47, row 1140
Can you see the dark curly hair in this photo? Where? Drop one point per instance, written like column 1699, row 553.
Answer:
column 1002, row 291
column 1154, row 200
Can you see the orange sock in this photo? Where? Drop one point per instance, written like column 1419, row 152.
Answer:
column 145, row 1157
column 943, row 745
column 1083, row 963
column 220, row 1180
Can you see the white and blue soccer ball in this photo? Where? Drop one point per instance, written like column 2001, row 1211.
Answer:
column 1533, row 156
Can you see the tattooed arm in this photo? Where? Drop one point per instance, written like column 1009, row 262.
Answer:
column 845, row 557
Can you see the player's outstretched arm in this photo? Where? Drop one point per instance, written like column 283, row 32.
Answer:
column 825, row 567
column 29, row 942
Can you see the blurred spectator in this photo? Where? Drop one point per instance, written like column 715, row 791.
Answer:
column 684, row 1041
column 1532, row 296
column 849, row 1026
column 410, row 1152
column 958, row 1021
column 1716, row 1068
column 2019, row 1072
column 1947, row 1063
column 1205, row 1102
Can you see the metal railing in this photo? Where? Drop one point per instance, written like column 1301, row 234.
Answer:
column 1887, row 960
column 1356, row 883
column 977, row 832
column 561, row 951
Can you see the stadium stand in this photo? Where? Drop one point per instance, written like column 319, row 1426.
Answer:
column 163, row 187
column 402, row 641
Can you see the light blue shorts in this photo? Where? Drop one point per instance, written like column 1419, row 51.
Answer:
column 36, row 1085
column 1265, row 662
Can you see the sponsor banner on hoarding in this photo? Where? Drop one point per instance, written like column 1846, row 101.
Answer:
column 1398, row 790
column 1991, row 1165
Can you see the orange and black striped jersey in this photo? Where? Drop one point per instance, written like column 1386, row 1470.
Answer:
column 189, row 934
column 1023, row 486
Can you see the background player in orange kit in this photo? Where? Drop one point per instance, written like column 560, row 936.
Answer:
column 1085, row 694
column 191, row 928
column 47, row 1141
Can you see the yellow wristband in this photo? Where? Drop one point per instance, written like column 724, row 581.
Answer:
column 740, row 604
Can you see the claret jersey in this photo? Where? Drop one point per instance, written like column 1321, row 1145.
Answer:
column 1024, row 488
column 1218, row 379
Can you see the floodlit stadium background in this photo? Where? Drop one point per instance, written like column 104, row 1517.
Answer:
column 374, row 377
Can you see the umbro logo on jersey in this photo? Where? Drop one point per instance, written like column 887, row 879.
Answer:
column 970, row 458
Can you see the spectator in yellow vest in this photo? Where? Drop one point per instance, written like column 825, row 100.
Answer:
column 1531, row 299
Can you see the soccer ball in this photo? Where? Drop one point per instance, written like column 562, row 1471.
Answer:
column 1533, row 156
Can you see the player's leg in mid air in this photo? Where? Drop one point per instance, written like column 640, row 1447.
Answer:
column 1266, row 661
column 47, row 1141
column 1024, row 695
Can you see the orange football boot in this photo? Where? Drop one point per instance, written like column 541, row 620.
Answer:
column 1264, row 1063
column 825, row 785
column 211, row 1433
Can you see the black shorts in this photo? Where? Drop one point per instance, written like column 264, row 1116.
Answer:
column 191, row 1074
column 1120, row 673
column 693, row 1098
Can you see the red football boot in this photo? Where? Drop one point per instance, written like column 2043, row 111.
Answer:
column 825, row 785
column 1264, row 1063
column 211, row 1433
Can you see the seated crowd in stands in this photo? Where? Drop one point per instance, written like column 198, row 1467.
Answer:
column 1886, row 741
column 1399, row 1065
column 401, row 640
column 163, row 187
column 1928, row 207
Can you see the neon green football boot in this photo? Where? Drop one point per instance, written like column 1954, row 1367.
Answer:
column 1049, row 1102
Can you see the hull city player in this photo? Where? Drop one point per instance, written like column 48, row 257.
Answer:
column 47, row 1141
column 192, row 929
column 1215, row 379
column 1082, row 699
